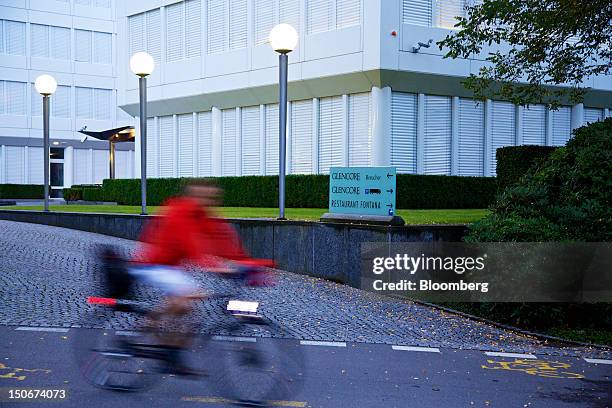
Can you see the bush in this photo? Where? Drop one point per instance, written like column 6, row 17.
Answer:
column 565, row 198
column 21, row 191
column 73, row 193
column 312, row 191
column 513, row 162
column 93, row 194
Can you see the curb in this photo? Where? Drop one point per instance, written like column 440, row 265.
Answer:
column 508, row 327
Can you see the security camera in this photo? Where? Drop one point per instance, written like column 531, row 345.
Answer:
column 416, row 47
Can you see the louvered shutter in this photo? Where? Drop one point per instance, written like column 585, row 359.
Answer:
column 122, row 164
column 100, row 166
column 14, row 161
column 320, row 16
column 250, row 141
column 561, row 126
column 3, row 98
column 15, row 37
column 217, row 27
column 502, row 129
column 2, row 37
column 348, row 13
column 15, row 98
column 83, row 2
column 437, row 137
column 174, row 32
column 417, row 12
column 301, row 137
column 229, row 143
column 237, row 24
column 84, row 103
column 330, row 133
column 152, row 149
column 154, row 34
column 592, row 115
column 102, row 3
column 36, row 101
column 289, row 13
column 403, row 131
column 83, row 45
column 193, row 28
column 534, row 125
column 136, row 28
column 36, row 165
column 81, row 166
column 59, row 43
column 263, row 20
column 448, row 11
column 39, row 40
column 167, row 146
column 60, row 102
column 102, row 104
column 103, row 48
column 185, row 145
column 272, row 139
column 204, row 144
column 471, row 138
column 360, row 133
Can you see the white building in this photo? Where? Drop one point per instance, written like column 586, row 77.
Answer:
column 358, row 93
column 74, row 41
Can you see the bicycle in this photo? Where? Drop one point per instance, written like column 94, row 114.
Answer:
column 250, row 368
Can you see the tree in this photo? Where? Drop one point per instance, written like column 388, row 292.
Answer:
column 544, row 43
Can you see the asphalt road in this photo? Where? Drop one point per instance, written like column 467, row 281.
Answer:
column 335, row 375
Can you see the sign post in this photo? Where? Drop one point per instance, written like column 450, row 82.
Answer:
column 363, row 195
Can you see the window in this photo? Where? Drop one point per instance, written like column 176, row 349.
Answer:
column 440, row 13
column 93, row 103
column 93, row 46
column 471, row 137
column 327, row 15
column 448, row 11
column 417, row 12
column 360, row 135
column 561, row 125
column 12, row 37
column 204, row 144
column 272, row 129
column 331, row 143
column 229, row 145
column 167, row 147
column 12, row 98
column 227, row 25
column 301, row 137
column 403, row 131
column 269, row 13
column 250, row 141
column 145, row 33
column 50, row 41
column 185, row 145
column 183, row 32
column 437, row 135
column 503, row 129
column 94, row 3
column 534, row 125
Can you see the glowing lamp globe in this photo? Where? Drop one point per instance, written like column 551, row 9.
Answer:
column 283, row 38
column 142, row 64
column 45, row 84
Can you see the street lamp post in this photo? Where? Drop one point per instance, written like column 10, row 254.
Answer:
column 46, row 85
column 142, row 64
column 283, row 39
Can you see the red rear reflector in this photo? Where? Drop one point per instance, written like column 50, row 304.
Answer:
column 101, row 301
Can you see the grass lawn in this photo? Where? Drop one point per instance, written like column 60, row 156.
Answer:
column 410, row 216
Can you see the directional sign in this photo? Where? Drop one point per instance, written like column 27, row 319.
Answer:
column 362, row 190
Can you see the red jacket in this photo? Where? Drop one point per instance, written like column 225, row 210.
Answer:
column 186, row 233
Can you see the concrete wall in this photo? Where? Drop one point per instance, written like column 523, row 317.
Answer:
column 330, row 251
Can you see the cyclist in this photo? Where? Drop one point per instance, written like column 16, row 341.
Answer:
column 186, row 232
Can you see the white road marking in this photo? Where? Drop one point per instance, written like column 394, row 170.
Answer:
column 43, row 329
column 231, row 338
column 323, row 343
column 597, row 361
column 513, row 355
column 411, row 348
column 126, row 333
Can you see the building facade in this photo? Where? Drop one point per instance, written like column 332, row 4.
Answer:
column 75, row 42
column 360, row 92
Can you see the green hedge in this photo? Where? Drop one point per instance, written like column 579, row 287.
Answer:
column 75, row 192
column 514, row 161
column 311, row 191
column 94, row 194
column 21, row 191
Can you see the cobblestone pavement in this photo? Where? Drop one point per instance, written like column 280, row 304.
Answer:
column 47, row 272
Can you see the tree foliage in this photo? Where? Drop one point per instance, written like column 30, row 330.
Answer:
column 533, row 45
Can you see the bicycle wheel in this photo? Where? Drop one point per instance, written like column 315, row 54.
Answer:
column 106, row 361
column 253, row 370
